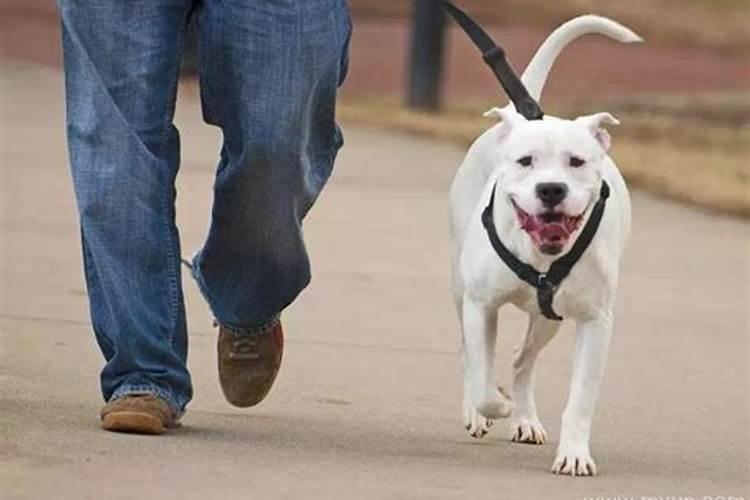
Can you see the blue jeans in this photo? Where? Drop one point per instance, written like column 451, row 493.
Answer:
column 269, row 72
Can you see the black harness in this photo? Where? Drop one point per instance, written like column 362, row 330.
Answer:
column 547, row 283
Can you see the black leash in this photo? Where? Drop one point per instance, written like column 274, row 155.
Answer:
column 546, row 283
column 494, row 56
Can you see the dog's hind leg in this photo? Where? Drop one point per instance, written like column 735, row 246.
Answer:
column 526, row 426
column 483, row 401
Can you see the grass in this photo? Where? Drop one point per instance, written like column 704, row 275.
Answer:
column 697, row 153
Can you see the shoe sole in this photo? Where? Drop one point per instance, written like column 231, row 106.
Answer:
column 133, row 423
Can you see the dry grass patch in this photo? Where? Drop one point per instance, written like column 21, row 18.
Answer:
column 699, row 155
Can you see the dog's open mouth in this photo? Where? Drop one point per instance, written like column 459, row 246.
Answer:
column 549, row 231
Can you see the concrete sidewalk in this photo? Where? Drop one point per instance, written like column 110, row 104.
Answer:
column 368, row 401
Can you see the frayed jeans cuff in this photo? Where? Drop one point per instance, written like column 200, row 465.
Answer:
column 131, row 390
column 237, row 330
column 241, row 331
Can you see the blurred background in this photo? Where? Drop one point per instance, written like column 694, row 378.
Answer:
column 368, row 403
column 683, row 97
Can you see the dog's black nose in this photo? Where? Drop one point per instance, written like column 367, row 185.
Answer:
column 551, row 193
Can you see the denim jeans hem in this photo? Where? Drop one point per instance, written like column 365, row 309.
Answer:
column 238, row 330
column 129, row 390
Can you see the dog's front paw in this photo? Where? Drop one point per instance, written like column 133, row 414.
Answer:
column 574, row 461
column 475, row 424
column 478, row 418
column 497, row 405
column 528, row 430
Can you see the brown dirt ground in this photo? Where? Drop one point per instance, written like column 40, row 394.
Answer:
column 716, row 24
column 592, row 67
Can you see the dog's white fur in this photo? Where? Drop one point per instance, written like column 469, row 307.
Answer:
column 482, row 282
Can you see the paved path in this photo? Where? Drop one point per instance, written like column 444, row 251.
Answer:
column 367, row 403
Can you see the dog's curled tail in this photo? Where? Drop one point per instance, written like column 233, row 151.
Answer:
column 535, row 75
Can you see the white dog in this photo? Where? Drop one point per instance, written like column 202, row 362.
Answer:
column 545, row 176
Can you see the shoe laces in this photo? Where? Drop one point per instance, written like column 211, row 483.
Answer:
column 244, row 348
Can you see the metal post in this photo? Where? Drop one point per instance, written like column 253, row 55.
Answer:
column 426, row 58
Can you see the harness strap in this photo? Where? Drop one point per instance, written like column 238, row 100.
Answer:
column 546, row 284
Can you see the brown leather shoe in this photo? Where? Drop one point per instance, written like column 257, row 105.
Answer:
column 248, row 364
column 138, row 414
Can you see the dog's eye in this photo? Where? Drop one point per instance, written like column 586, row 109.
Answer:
column 524, row 161
column 576, row 161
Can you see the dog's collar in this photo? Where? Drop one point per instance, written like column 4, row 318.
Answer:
column 546, row 283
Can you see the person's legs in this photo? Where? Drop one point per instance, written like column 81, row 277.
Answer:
column 269, row 74
column 121, row 68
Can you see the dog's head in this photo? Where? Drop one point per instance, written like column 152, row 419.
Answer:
column 549, row 173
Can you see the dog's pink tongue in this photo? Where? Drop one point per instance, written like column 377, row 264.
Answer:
column 545, row 233
column 552, row 233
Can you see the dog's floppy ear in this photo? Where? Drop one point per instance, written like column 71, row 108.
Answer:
column 507, row 115
column 595, row 123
